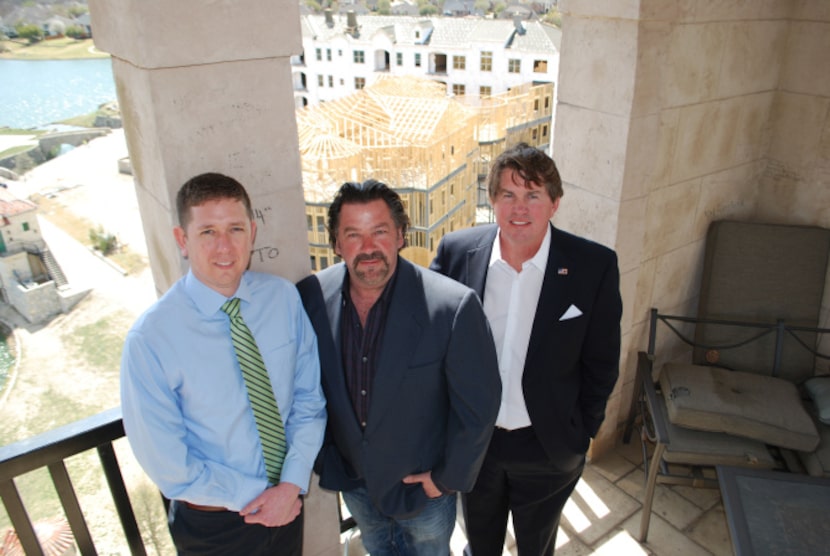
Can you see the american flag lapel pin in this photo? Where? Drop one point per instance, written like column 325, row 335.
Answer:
column 562, row 271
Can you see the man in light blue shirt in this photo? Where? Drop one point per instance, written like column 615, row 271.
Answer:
column 185, row 404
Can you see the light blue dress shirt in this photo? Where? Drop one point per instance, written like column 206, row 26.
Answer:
column 186, row 410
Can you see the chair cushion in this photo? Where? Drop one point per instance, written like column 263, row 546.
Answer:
column 818, row 388
column 750, row 405
column 692, row 447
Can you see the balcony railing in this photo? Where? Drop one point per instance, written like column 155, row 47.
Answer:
column 51, row 450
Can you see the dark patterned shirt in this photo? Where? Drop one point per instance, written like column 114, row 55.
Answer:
column 361, row 346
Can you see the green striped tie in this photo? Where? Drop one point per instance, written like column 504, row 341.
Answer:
column 260, row 392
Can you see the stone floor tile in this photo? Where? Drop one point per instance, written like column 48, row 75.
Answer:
column 704, row 498
column 620, row 543
column 668, row 504
column 612, row 466
column 712, row 532
column 663, row 539
column 596, row 507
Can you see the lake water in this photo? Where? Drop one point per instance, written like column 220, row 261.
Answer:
column 37, row 93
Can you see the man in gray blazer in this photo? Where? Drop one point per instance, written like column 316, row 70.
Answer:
column 410, row 374
column 554, row 306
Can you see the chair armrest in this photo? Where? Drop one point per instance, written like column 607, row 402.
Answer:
column 659, row 428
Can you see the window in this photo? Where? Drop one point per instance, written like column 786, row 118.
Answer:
column 359, row 82
column 331, row 81
column 536, row 105
column 417, row 60
column 547, row 103
column 459, row 62
column 399, row 58
column 458, row 89
column 321, row 224
column 545, row 130
column 359, row 57
column 324, row 262
column 319, row 53
column 313, row 262
column 540, row 66
column 514, row 65
column 486, row 60
column 25, row 226
column 309, row 222
column 328, row 54
column 320, row 81
column 485, row 91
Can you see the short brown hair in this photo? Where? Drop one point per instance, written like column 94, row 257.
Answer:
column 532, row 165
column 209, row 186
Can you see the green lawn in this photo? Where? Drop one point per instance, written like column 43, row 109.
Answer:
column 54, row 49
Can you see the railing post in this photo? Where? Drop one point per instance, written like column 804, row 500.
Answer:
column 122, row 500
column 20, row 519
column 69, row 501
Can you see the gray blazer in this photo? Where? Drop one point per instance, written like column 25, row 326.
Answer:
column 434, row 399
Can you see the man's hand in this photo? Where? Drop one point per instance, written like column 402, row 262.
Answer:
column 275, row 507
column 425, row 479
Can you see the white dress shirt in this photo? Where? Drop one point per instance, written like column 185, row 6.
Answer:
column 510, row 300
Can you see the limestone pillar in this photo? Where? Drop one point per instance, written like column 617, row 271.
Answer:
column 206, row 86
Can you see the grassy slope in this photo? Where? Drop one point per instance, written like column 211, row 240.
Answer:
column 55, row 49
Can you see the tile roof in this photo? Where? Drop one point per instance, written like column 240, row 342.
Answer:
column 448, row 32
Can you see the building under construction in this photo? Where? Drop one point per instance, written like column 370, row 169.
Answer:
column 434, row 150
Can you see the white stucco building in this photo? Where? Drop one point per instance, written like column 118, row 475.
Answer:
column 474, row 57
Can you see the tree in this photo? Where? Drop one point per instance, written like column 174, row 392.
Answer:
column 427, row 9
column 384, row 7
column 30, row 32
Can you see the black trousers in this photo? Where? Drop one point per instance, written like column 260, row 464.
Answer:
column 199, row 533
column 517, row 476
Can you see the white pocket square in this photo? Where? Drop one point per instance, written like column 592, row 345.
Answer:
column 572, row 312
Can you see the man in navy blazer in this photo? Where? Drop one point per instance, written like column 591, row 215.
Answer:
column 553, row 303
column 410, row 374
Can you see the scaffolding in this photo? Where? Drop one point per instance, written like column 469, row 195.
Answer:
column 434, row 150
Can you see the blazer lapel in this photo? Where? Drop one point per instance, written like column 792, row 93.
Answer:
column 550, row 297
column 478, row 260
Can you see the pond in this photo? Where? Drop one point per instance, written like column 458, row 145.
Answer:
column 38, row 93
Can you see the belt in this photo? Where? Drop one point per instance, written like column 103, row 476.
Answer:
column 502, row 429
column 201, row 508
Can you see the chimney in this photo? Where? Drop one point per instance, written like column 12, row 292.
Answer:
column 351, row 23
column 329, row 18
column 517, row 23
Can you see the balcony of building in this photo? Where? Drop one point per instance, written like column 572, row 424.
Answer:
column 602, row 517
column 668, row 116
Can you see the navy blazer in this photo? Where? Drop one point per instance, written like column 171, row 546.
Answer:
column 571, row 364
column 434, row 399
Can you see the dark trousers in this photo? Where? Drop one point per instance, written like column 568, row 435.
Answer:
column 200, row 533
column 517, row 476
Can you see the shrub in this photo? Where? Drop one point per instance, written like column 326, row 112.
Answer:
column 75, row 32
column 32, row 33
column 104, row 242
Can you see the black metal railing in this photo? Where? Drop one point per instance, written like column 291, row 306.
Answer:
column 50, row 450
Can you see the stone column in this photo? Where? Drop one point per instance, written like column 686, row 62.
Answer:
column 206, row 86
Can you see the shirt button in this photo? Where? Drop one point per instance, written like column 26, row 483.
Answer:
column 363, row 392
column 365, row 359
column 363, row 423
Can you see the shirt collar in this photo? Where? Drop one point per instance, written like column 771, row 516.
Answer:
column 208, row 300
column 539, row 260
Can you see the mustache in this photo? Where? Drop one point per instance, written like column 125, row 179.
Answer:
column 370, row 257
